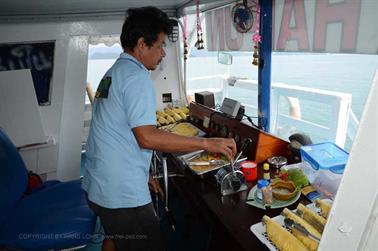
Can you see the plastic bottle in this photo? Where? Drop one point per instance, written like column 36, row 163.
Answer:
column 266, row 175
column 260, row 185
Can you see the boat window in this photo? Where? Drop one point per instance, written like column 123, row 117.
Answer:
column 323, row 63
column 36, row 56
column 322, row 68
column 224, row 71
column 100, row 58
column 102, row 53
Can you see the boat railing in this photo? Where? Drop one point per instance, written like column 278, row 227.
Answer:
column 340, row 126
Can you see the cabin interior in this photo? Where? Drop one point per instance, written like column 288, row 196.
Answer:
column 46, row 77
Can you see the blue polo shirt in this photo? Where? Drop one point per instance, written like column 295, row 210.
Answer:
column 117, row 169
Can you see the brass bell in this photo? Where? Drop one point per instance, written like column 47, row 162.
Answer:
column 199, row 43
column 255, row 56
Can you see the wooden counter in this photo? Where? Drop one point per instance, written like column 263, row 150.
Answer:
column 228, row 218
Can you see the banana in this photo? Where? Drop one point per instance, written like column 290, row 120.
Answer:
column 170, row 119
column 183, row 115
column 162, row 120
column 288, row 214
column 162, row 114
column 283, row 240
column 184, row 109
column 324, row 207
column 311, row 217
column 177, row 117
column 158, row 124
column 169, row 111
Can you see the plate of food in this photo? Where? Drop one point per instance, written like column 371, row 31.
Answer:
column 201, row 162
column 184, row 129
column 284, row 194
column 300, row 229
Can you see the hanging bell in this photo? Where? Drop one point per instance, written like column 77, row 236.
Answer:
column 197, row 44
column 255, row 56
column 185, row 51
column 255, row 61
column 201, row 42
column 201, row 45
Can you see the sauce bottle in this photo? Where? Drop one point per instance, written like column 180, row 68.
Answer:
column 266, row 174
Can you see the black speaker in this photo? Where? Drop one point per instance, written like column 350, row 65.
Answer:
column 205, row 98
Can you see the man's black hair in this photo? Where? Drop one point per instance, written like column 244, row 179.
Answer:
column 146, row 22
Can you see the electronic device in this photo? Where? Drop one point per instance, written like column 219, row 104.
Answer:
column 230, row 107
column 205, row 98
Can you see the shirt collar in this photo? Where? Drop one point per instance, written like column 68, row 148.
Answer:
column 125, row 55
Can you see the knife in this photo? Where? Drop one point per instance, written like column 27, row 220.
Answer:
column 207, row 163
column 293, row 225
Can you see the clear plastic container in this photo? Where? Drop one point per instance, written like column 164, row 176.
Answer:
column 324, row 165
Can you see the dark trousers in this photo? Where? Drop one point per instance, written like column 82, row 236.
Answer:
column 131, row 228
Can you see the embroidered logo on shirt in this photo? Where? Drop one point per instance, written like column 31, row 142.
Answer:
column 103, row 87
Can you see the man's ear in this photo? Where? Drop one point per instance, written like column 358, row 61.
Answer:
column 141, row 44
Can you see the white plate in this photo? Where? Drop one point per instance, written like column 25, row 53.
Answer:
column 258, row 229
column 254, row 201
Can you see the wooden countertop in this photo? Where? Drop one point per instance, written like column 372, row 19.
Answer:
column 230, row 212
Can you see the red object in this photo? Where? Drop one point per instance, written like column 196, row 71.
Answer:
column 33, row 181
column 249, row 169
column 284, row 176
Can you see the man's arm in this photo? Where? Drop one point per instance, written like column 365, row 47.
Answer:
column 150, row 137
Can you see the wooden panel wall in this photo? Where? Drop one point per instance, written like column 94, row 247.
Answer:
column 263, row 145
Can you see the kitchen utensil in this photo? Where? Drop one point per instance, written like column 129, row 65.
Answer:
column 293, row 225
column 205, row 163
column 233, row 181
column 167, row 211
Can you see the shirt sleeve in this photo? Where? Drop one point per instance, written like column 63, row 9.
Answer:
column 139, row 101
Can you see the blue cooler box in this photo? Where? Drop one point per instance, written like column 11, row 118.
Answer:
column 324, row 165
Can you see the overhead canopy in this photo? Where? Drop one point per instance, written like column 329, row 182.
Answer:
column 42, row 9
column 335, row 26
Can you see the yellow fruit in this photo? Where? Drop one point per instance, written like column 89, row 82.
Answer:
column 162, row 114
column 177, row 117
column 311, row 217
column 289, row 214
column 324, row 207
column 283, row 240
column 184, row 110
column 311, row 244
column 162, row 120
column 184, row 129
column 169, row 111
column 183, row 115
column 170, row 119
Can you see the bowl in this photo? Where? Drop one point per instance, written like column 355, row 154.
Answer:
column 283, row 190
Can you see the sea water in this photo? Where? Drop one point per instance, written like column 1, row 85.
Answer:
column 348, row 73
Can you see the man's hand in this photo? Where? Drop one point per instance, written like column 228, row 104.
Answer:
column 154, row 186
column 221, row 145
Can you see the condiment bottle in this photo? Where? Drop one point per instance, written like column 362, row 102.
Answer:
column 260, row 185
column 267, row 195
column 266, row 175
